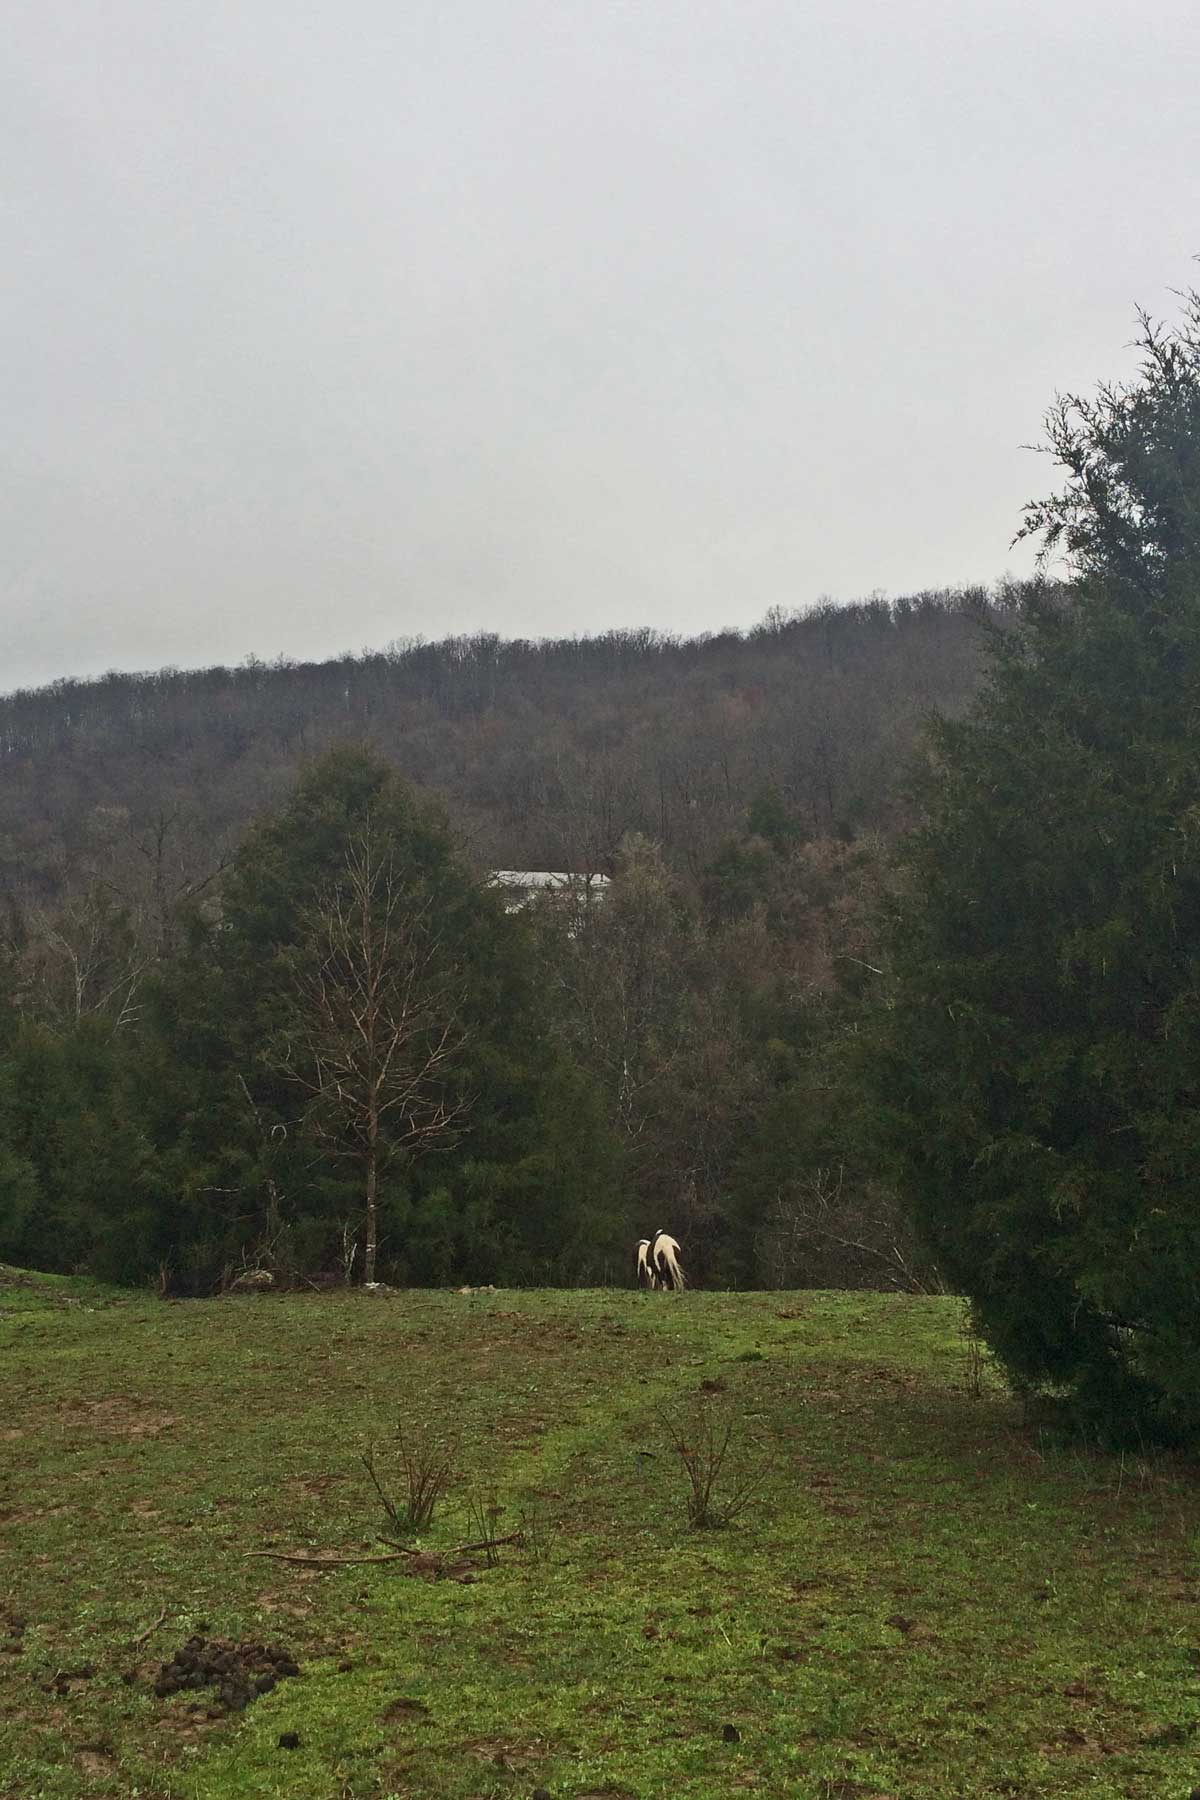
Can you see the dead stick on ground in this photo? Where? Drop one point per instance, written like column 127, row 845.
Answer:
column 514, row 1537
column 397, row 1555
column 325, row 1562
column 150, row 1629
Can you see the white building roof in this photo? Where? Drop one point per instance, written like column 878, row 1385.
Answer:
column 531, row 879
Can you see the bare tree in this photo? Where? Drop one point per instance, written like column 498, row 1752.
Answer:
column 378, row 1025
column 82, row 961
column 88, row 955
column 174, row 881
column 823, row 1230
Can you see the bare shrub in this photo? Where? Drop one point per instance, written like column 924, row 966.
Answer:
column 825, row 1230
column 982, row 1373
column 533, row 1528
column 269, row 1260
column 703, row 1445
column 484, row 1514
column 426, row 1471
column 974, row 1357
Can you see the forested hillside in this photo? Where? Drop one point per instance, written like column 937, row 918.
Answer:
column 546, row 754
column 175, row 902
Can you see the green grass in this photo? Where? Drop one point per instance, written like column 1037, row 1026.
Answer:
column 926, row 1599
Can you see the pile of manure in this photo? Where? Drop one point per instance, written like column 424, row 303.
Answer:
column 239, row 1672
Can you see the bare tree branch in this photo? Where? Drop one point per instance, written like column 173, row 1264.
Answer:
column 379, row 1027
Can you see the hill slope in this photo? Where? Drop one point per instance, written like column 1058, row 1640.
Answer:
column 924, row 1597
column 547, row 754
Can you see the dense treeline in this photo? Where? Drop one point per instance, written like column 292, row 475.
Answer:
column 348, row 1066
column 545, row 754
column 741, row 790
column 348, row 1058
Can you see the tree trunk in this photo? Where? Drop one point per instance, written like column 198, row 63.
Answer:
column 372, row 1170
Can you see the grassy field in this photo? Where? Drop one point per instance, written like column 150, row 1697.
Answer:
column 926, row 1598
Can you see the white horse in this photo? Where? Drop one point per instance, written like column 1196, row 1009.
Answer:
column 646, row 1276
column 664, row 1260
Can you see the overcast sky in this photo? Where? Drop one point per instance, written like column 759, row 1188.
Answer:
column 330, row 323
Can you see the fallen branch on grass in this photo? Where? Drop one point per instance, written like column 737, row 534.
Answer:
column 326, row 1562
column 397, row 1553
column 514, row 1537
column 150, row 1629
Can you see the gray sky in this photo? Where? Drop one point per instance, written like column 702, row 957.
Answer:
column 326, row 324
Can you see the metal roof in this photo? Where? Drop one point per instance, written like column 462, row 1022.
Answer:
column 545, row 878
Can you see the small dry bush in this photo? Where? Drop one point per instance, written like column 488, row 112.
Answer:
column 531, row 1521
column 426, row 1470
column 825, row 1228
column 484, row 1516
column 705, row 1444
column 974, row 1353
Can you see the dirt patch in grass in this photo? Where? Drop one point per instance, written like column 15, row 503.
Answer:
column 120, row 1417
column 403, row 1710
column 96, row 1762
column 506, row 1753
column 30, row 1515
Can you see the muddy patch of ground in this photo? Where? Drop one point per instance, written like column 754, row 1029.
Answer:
column 120, row 1417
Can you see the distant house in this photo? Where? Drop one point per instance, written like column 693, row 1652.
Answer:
column 523, row 885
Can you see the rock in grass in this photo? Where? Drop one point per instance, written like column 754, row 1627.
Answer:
column 252, row 1281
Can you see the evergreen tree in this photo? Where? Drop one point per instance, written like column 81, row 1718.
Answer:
column 1038, row 1059
column 79, row 1185
column 361, row 998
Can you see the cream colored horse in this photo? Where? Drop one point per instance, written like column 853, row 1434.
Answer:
column 664, row 1260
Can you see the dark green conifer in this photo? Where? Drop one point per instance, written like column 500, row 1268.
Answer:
column 1039, row 1055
